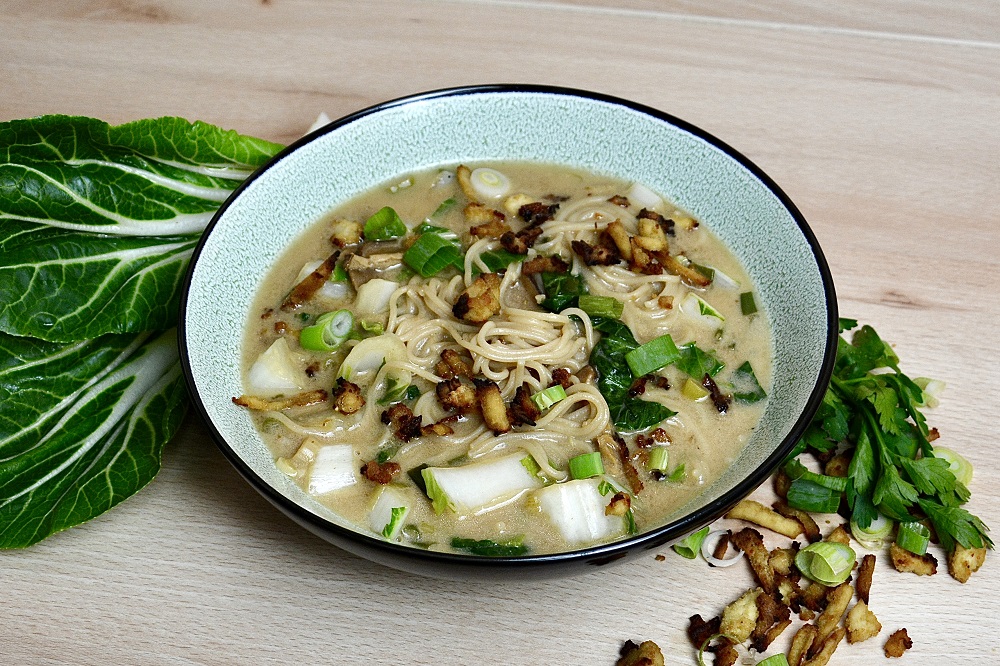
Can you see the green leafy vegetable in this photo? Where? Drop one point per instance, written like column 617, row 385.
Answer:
column 746, row 388
column 562, row 290
column 697, row 363
column 601, row 306
column 498, row 260
column 874, row 408
column 82, row 426
column 433, row 251
column 384, row 225
column 99, row 221
column 488, row 548
column 98, row 225
column 629, row 414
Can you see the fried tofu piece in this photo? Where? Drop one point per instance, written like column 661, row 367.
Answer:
column 463, row 175
column 492, row 406
column 602, row 254
column 381, row 473
column 839, row 535
column 297, row 400
column 801, row 642
column 651, row 236
column 687, row 274
column 898, row 643
column 826, row 649
column 646, row 653
column 643, row 260
column 347, row 398
column 740, row 617
column 781, row 560
column 537, row 213
column 405, row 424
column 813, row 596
column 963, row 562
column 523, row 410
column 725, row 653
column 837, row 600
column 864, row 579
column 861, row 623
column 618, row 234
column 837, row 465
column 809, row 526
column 485, row 222
column 346, row 232
column 700, row 631
column 770, row 612
column 480, row 301
column 906, row 562
column 519, row 242
column 453, row 365
column 619, row 505
column 311, row 283
column 751, row 543
column 456, row 396
column 553, row 264
column 755, row 512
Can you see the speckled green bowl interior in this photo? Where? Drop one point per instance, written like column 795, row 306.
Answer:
column 620, row 140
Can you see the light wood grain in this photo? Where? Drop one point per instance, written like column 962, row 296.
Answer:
column 878, row 119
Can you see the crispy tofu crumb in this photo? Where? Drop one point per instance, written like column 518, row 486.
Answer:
column 646, row 653
column 907, row 562
column 861, row 623
column 480, row 301
column 898, row 643
column 963, row 562
column 740, row 617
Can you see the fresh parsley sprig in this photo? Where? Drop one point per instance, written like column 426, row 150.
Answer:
column 874, row 409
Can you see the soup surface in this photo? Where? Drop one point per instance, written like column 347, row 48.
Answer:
column 506, row 359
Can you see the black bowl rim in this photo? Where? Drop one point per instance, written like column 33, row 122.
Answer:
column 600, row 553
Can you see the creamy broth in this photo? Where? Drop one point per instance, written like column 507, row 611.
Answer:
column 420, row 317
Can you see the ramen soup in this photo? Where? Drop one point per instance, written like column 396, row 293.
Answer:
column 506, row 359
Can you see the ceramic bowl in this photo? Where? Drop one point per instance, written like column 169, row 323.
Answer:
column 697, row 171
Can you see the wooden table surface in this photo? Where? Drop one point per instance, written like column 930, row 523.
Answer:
column 880, row 120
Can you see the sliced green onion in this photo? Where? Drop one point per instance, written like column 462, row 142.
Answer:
column 652, row 356
column 677, row 475
column 489, row 183
column 914, row 537
column 384, row 225
column 826, row 562
column 959, row 466
column 748, row 305
column 692, row 390
column 329, row 331
column 339, row 273
column 659, row 457
column 432, row 253
column 373, row 327
column 445, row 206
column 691, row 544
column 931, row 389
column 488, row 548
column 796, row 470
column 548, row 397
column 586, row 465
column 707, row 271
column 812, row 497
column 874, row 536
column 601, row 306
column 412, row 392
column 774, row 660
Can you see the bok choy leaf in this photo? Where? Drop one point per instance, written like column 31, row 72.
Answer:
column 97, row 222
column 82, row 426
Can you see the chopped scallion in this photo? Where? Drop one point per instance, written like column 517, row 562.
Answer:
column 691, row 544
column 826, row 562
column 601, row 306
column 652, row 356
column 548, row 397
column 586, row 465
column 959, row 466
column 748, row 305
column 445, row 206
column 658, row 459
column 329, row 332
column 432, row 253
column 372, row 327
column 914, row 537
column 875, row 535
column 339, row 273
column 809, row 496
column 692, row 390
column 383, row 225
